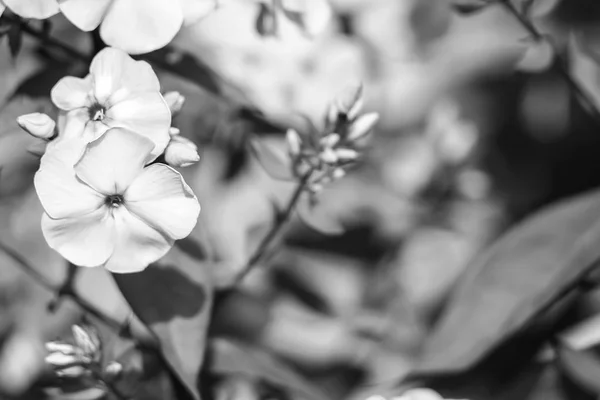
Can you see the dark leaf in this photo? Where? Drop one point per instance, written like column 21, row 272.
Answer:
column 186, row 66
column 469, row 6
column 232, row 358
column 173, row 297
column 15, row 40
column 581, row 367
column 516, row 278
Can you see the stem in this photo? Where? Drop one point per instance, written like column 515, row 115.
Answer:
column 71, row 294
column 585, row 98
column 46, row 39
column 272, row 235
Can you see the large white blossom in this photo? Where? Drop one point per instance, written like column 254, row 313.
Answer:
column 118, row 92
column 133, row 25
column 104, row 206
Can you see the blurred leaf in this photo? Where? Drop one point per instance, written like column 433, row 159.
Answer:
column 15, row 40
column 173, row 297
column 186, row 66
column 469, row 6
column 272, row 155
column 537, row 57
column 430, row 19
column 318, row 218
column 508, row 284
column 581, row 367
column 233, row 358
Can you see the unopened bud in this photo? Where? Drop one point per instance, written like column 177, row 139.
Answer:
column 75, row 371
column 330, row 140
column 332, row 115
column 64, row 348
column 181, row 152
column 113, row 370
column 174, row 131
column 346, row 154
column 362, row 125
column 294, row 142
column 328, row 155
column 37, row 124
column 350, row 101
column 175, row 102
column 87, row 340
column 61, row 359
column 338, row 173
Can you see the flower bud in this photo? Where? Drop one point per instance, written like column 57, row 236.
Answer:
column 87, row 340
column 174, row 131
column 294, row 142
column 362, row 125
column 175, row 102
column 350, row 101
column 328, row 155
column 330, row 140
column 60, row 360
column 38, row 125
column 181, row 152
column 75, row 371
column 346, row 154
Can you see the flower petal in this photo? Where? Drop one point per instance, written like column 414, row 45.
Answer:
column 38, row 9
column 144, row 113
column 155, row 24
column 111, row 162
column 137, row 244
column 85, row 14
column 161, row 198
column 115, row 75
column 86, row 240
column 62, row 195
column 2, row 8
column 70, row 93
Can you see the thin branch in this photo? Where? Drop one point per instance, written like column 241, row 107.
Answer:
column 71, row 294
column 560, row 67
column 273, row 234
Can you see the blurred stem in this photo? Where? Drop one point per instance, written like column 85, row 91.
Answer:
column 273, row 234
column 71, row 294
column 560, row 67
column 45, row 38
column 66, row 288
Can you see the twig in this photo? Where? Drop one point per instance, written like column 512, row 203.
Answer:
column 272, row 235
column 71, row 294
column 585, row 98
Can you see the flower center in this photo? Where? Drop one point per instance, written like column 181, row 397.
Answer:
column 114, row 200
column 97, row 112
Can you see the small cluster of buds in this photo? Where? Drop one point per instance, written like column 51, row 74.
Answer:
column 78, row 359
column 413, row 394
column 321, row 157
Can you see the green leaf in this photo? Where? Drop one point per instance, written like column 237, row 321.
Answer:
column 581, row 367
column 507, row 285
column 234, row 358
column 173, row 297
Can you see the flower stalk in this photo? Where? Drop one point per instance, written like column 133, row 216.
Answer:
column 277, row 228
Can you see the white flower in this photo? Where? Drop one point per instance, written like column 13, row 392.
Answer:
column 38, row 9
column 118, row 92
column 104, row 207
column 181, row 152
column 136, row 26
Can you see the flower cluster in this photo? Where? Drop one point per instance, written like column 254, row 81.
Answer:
column 75, row 360
column 106, row 201
column 323, row 156
column 131, row 25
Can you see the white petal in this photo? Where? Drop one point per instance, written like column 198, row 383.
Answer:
column 86, row 240
column 141, row 26
column 84, row 14
column 161, row 198
column 144, row 113
column 111, row 162
column 2, row 8
column 38, row 9
column 61, row 193
column 115, row 75
column 70, row 93
column 137, row 244
column 193, row 10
